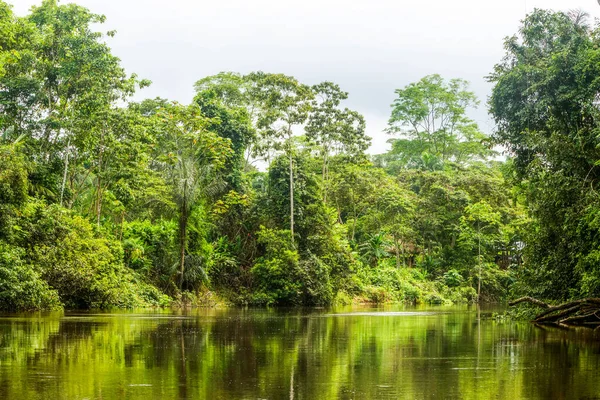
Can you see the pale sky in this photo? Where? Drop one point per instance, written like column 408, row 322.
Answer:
column 370, row 48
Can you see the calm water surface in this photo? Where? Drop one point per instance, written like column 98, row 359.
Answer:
column 359, row 353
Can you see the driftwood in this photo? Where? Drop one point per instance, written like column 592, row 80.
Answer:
column 584, row 312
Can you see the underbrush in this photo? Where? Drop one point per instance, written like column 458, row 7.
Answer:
column 203, row 298
column 388, row 284
column 58, row 260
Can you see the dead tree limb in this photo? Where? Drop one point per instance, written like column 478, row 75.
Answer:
column 528, row 299
column 583, row 312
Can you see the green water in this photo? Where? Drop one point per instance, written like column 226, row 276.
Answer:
column 384, row 353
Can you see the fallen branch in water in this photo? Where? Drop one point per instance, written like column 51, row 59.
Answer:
column 528, row 299
column 584, row 312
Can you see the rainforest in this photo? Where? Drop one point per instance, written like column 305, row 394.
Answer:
column 260, row 189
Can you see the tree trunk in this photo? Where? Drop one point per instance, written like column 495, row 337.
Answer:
column 397, row 245
column 98, row 201
column 182, row 243
column 98, row 180
column 183, row 221
column 353, row 215
column 291, row 191
column 64, row 180
column 479, row 261
column 325, row 178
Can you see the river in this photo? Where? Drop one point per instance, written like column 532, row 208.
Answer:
column 390, row 352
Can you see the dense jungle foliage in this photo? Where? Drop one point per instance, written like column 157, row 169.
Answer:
column 260, row 189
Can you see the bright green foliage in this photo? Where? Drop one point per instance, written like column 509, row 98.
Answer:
column 452, row 278
column 230, row 120
column 86, row 271
column 420, row 220
column 374, row 249
column 320, row 240
column 13, row 177
column 284, row 278
column 13, row 187
column 276, row 272
column 284, row 103
column 333, row 130
column 430, row 116
column 193, row 155
column 150, row 249
column 21, row 287
column 545, row 105
column 58, row 92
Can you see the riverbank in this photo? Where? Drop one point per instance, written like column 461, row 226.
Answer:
column 371, row 286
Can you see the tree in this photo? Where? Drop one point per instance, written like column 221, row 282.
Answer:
column 480, row 228
column 65, row 80
column 225, row 99
column 335, row 130
column 284, row 104
column 193, row 155
column 545, row 105
column 430, row 116
column 374, row 248
column 14, row 186
column 396, row 207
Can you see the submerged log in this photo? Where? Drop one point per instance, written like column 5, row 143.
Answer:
column 584, row 312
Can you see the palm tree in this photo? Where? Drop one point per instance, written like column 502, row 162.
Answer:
column 191, row 166
column 374, row 248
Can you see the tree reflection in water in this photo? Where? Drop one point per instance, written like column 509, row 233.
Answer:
column 296, row 354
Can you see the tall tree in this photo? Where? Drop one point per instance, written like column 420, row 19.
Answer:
column 192, row 155
column 68, row 76
column 480, row 229
column 545, row 102
column 430, row 116
column 284, row 105
column 335, row 130
column 222, row 98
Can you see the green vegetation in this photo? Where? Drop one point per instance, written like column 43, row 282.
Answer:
column 545, row 102
column 108, row 202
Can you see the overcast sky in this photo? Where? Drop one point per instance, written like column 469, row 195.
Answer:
column 369, row 47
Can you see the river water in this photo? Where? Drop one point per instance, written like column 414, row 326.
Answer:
column 352, row 353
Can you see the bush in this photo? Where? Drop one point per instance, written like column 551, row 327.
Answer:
column 316, row 285
column 495, row 282
column 408, row 285
column 342, row 299
column 410, row 293
column 434, row 298
column 276, row 279
column 377, row 295
column 150, row 249
column 85, row 270
column 21, row 288
column 452, row 278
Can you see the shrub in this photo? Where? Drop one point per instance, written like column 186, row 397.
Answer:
column 452, row 278
column 377, row 294
column 317, row 288
column 21, row 288
column 85, row 270
column 150, row 249
column 276, row 278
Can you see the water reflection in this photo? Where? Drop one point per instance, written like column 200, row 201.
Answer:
column 300, row 354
